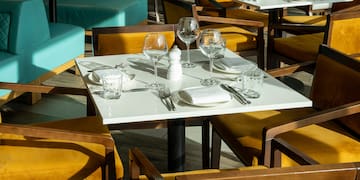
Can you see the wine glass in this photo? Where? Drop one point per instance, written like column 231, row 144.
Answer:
column 210, row 45
column 155, row 47
column 188, row 31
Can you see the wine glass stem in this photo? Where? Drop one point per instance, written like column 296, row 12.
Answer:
column 155, row 70
column 188, row 52
column 211, row 66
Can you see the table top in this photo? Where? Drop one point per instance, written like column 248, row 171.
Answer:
column 147, row 106
column 275, row 4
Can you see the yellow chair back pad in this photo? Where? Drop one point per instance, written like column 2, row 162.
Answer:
column 54, row 159
column 237, row 39
column 127, row 43
column 248, row 15
column 345, row 35
column 346, row 81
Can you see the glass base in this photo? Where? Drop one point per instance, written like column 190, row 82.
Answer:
column 188, row 65
column 155, row 85
column 209, row 82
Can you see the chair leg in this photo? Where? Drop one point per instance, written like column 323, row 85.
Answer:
column 215, row 150
column 205, row 143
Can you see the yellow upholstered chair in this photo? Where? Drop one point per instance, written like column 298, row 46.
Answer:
column 238, row 38
column 320, row 131
column 127, row 39
column 139, row 163
column 340, row 33
column 79, row 148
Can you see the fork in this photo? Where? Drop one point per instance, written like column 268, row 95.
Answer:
column 165, row 96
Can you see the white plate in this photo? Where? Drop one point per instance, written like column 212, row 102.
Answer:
column 221, row 68
column 180, row 99
column 94, row 80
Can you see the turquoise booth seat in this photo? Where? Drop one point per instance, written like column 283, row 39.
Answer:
column 32, row 49
column 101, row 13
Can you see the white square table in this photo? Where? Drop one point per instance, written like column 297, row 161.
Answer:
column 146, row 105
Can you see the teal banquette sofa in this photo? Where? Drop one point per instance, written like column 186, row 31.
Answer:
column 32, row 49
column 101, row 13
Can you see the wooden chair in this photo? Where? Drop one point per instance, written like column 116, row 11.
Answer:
column 339, row 33
column 326, row 132
column 142, row 168
column 79, row 148
column 238, row 39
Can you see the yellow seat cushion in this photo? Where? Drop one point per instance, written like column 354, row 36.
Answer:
column 300, row 47
column 311, row 20
column 324, row 145
column 172, row 176
column 237, row 39
column 55, row 159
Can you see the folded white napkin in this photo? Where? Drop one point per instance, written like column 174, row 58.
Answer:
column 236, row 64
column 98, row 74
column 204, row 95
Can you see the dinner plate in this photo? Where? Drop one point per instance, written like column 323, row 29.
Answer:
column 180, row 99
column 222, row 68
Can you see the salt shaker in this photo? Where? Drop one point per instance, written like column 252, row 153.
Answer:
column 175, row 68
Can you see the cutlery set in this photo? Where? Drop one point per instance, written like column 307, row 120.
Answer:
column 236, row 94
column 165, row 97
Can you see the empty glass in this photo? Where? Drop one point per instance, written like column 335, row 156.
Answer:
column 155, row 47
column 210, row 45
column 251, row 83
column 188, row 31
column 112, row 86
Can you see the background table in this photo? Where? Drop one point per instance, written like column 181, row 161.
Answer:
column 146, row 105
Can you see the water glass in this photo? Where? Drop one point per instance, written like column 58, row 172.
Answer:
column 251, row 83
column 112, row 86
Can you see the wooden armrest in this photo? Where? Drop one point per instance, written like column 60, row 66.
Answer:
column 42, row 89
column 299, row 27
column 298, row 156
column 270, row 132
column 50, row 90
column 51, row 133
column 323, row 171
column 288, row 70
column 138, row 161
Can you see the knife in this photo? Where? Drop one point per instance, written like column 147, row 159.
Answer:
column 237, row 95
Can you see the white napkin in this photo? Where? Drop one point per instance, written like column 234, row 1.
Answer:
column 204, row 95
column 236, row 64
column 97, row 74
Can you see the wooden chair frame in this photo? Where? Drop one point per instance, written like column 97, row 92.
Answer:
column 51, row 133
column 138, row 163
column 349, row 12
column 268, row 156
column 237, row 22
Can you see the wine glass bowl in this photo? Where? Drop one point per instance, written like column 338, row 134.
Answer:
column 155, row 47
column 188, row 31
column 210, row 45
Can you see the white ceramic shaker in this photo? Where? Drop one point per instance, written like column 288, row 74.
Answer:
column 175, row 68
